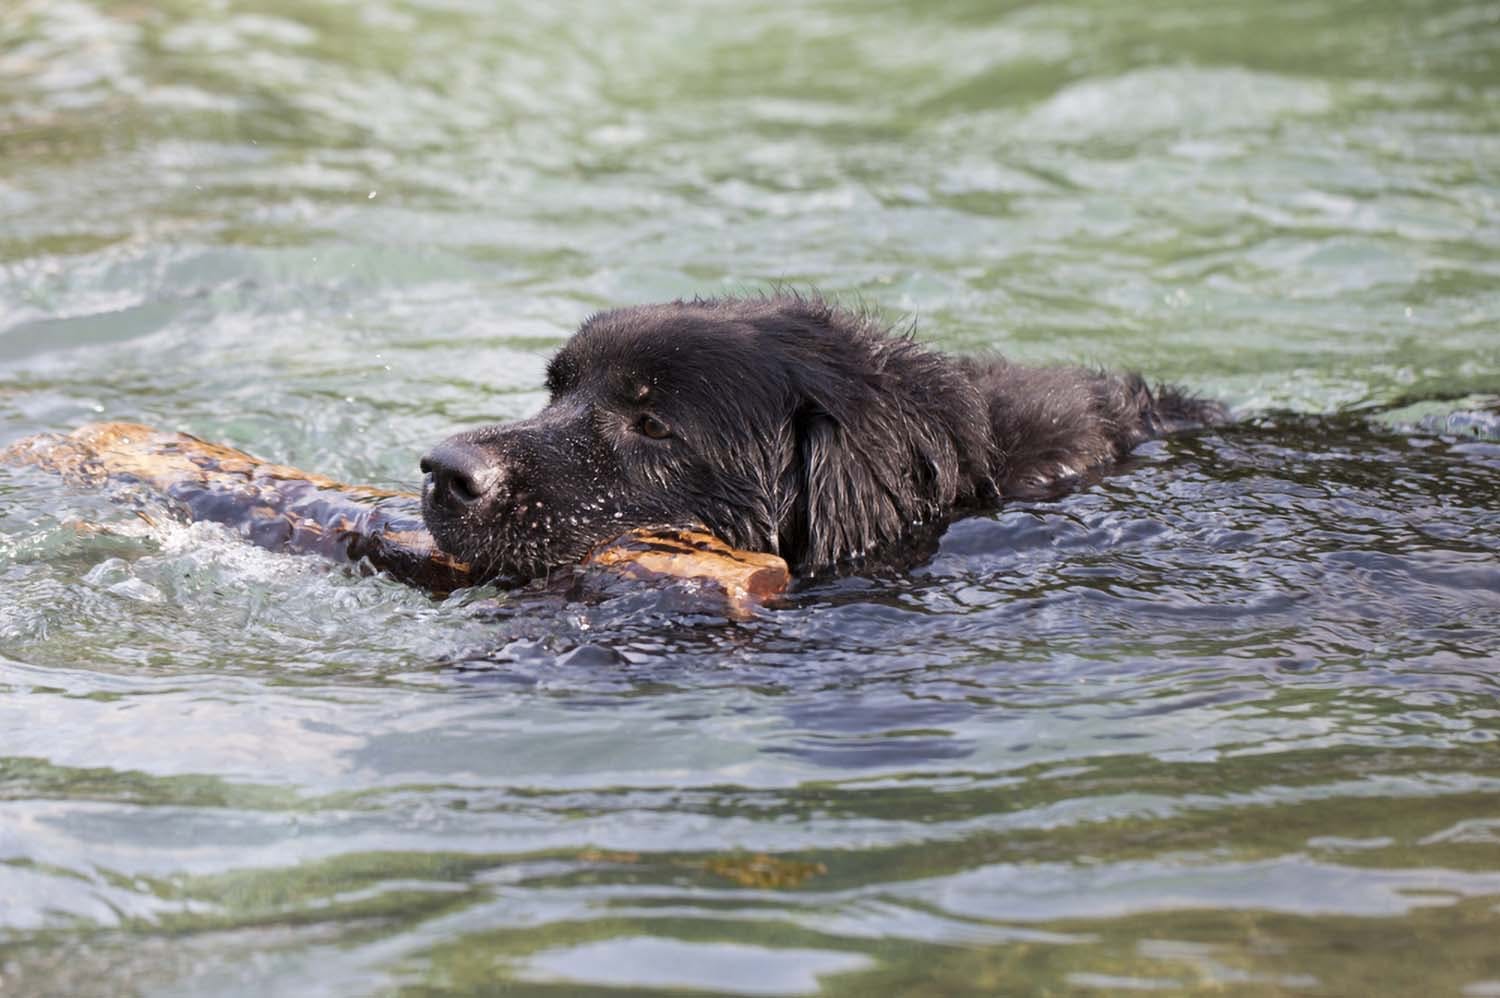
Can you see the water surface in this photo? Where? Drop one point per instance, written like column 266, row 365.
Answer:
column 1225, row 720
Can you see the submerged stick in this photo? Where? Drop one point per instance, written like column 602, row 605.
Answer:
column 293, row 511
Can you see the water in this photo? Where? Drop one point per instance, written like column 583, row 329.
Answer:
column 1225, row 720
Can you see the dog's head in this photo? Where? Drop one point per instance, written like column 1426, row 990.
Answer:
column 781, row 424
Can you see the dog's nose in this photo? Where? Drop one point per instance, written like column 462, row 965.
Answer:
column 463, row 475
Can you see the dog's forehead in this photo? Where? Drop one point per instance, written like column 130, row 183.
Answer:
column 637, row 352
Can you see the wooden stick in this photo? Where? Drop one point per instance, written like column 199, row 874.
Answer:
column 285, row 509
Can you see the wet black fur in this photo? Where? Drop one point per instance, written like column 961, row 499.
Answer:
column 796, row 427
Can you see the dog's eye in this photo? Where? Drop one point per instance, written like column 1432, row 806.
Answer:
column 653, row 427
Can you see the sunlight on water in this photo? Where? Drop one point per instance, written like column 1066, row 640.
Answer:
column 1223, row 720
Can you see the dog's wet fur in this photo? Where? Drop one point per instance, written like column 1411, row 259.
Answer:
column 784, row 424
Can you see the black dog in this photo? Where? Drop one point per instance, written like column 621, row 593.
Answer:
column 782, row 424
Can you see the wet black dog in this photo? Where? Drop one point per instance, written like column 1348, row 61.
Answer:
column 782, row 424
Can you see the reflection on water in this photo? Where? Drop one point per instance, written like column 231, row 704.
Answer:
column 1224, row 719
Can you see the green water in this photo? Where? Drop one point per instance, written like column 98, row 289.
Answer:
column 1225, row 721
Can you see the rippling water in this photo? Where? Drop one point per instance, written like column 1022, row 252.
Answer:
column 1223, row 720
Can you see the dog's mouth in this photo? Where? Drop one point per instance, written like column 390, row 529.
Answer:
column 518, row 543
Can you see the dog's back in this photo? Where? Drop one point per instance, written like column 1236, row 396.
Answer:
column 1049, row 425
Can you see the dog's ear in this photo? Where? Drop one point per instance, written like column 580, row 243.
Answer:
column 880, row 439
column 842, row 497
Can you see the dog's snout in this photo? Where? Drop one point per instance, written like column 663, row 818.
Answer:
column 463, row 475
